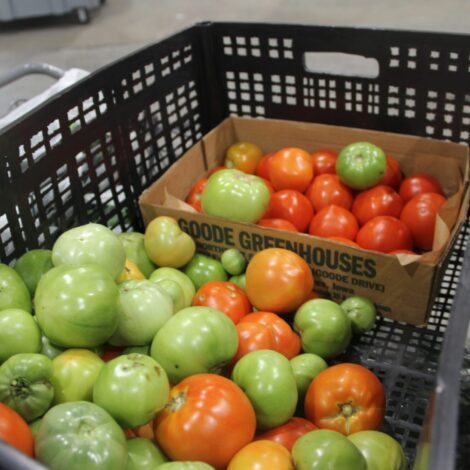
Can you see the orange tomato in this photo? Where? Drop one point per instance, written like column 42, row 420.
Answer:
column 280, row 224
column 347, row 398
column 262, row 170
column 345, row 241
column 419, row 184
column 208, row 418
column 392, row 175
column 334, row 221
column 253, row 337
column 15, row 431
column 291, row 168
column 243, row 156
column 324, row 162
column 278, row 280
column 224, row 296
column 262, row 455
column 329, row 189
column 146, row 431
column 194, row 196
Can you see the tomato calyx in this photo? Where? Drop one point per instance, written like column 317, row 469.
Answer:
column 177, row 401
column 347, row 410
column 20, row 387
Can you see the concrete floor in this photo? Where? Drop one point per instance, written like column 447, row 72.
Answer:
column 121, row 26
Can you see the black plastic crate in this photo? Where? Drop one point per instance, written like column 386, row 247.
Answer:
column 87, row 154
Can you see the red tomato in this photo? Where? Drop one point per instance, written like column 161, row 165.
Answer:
column 253, row 336
column 287, row 342
column 419, row 215
column 291, row 168
column 324, row 162
column 269, row 186
column 402, row 252
column 110, row 352
column 393, row 175
column 15, row 431
column 262, row 170
column 243, row 156
column 419, row 184
column 290, row 205
column 288, row 433
column 278, row 280
column 224, row 296
column 313, row 295
column 385, row 234
column 216, row 169
column 208, row 418
column 334, row 221
column 346, row 241
column 194, row 196
column 346, row 398
column 327, row 190
column 280, row 224
column 146, row 431
column 379, row 200
column 262, row 455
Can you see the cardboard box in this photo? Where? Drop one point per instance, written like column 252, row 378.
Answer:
column 402, row 287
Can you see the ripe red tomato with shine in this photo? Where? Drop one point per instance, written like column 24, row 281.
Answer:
column 194, row 196
column 224, row 296
column 253, row 336
column 328, row 189
column 385, row 234
column 393, row 175
column 15, row 431
column 419, row 184
column 290, row 205
column 262, row 170
column 419, row 215
column 291, row 168
column 280, row 224
column 334, row 221
column 346, row 241
column 346, row 398
column 324, row 162
column 379, row 200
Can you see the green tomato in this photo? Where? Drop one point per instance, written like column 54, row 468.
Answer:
column 361, row 312
column 240, row 280
column 13, row 291
column 324, row 327
column 76, row 306
column 48, row 349
column 234, row 195
column 180, row 278
column 133, row 243
column 195, row 340
column 381, row 451
column 267, row 379
column 166, row 244
column 32, row 265
column 132, row 389
column 74, row 373
column 175, row 291
column 185, row 466
column 90, row 243
column 361, row 165
column 80, row 435
column 326, row 450
column 19, row 333
column 305, row 368
column 25, row 384
column 34, row 426
column 202, row 269
column 143, row 308
column 142, row 454
column 233, row 261
column 137, row 350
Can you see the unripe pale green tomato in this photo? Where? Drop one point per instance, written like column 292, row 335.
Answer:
column 361, row 312
column 133, row 243
column 185, row 466
column 233, row 261
column 202, row 269
column 239, row 280
column 143, row 454
column 180, row 278
column 175, row 291
column 32, row 265
column 305, row 368
column 13, row 291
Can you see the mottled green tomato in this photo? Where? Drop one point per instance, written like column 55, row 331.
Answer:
column 80, row 435
column 186, row 466
column 143, row 454
column 326, row 450
column 195, row 340
column 48, row 349
column 180, row 278
column 166, row 244
column 25, row 384
column 240, row 280
column 234, row 195
column 267, row 379
column 361, row 312
column 90, row 243
column 233, row 261
column 19, row 333
column 34, row 426
column 324, row 327
column 202, row 269
column 132, row 389
column 137, row 350
column 143, row 308
column 305, row 368
column 381, row 451
column 32, row 265
column 361, row 165
column 76, row 306
column 175, row 291
column 133, row 243
column 74, row 373
column 13, row 290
